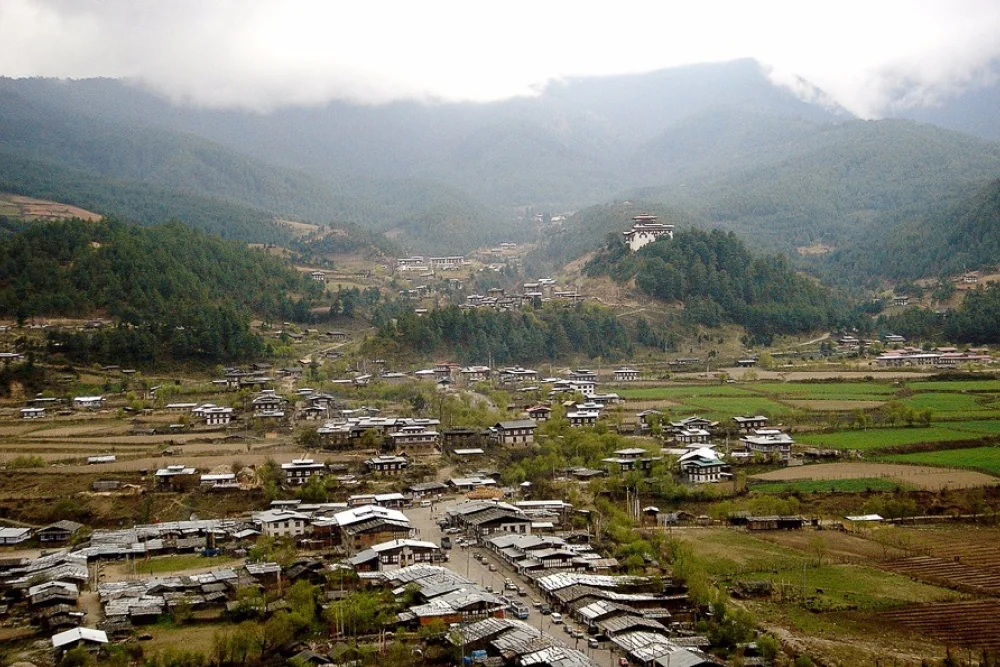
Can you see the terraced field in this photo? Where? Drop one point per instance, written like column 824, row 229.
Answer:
column 967, row 624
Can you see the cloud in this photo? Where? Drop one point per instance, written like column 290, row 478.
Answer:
column 260, row 54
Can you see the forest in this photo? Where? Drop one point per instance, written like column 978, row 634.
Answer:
column 974, row 321
column 544, row 334
column 956, row 234
column 719, row 280
column 172, row 292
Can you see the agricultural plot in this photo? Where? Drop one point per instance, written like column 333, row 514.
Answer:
column 950, row 402
column 880, row 438
column 679, row 393
column 859, row 485
column 741, row 406
column 986, row 459
column 959, row 385
column 949, row 572
column 728, row 552
column 923, row 477
column 833, row 405
column 967, row 624
column 850, row 587
column 838, row 391
column 836, row 546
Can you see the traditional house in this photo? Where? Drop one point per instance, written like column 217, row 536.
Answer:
column 473, row 374
column 395, row 554
column 32, row 413
column 88, row 402
column 626, row 374
column 60, row 531
column 268, row 404
column 388, row 465
column 359, row 528
column 688, row 436
column 702, row 465
column 646, row 228
column 539, row 413
column 214, row 415
column 177, row 477
column 461, row 436
column 14, row 535
column 747, row 424
column 770, row 443
column 632, row 458
column 579, row 418
column 299, row 471
column 414, row 439
column 515, row 433
column 282, row 523
column 583, row 375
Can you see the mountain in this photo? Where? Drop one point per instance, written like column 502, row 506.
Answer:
column 972, row 110
column 178, row 293
column 716, row 145
column 955, row 235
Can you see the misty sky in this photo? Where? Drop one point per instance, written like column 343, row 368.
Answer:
column 263, row 54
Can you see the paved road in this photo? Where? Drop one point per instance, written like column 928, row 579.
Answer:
column 462, row 562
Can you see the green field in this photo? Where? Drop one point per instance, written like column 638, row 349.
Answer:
column 675, row 393
column 859, row 485
column 837, row 391
column 944, row 402
column 983, row 427
column 748, row 405
column 880, row 438
column 727, row 552
column 183, row 562
column 851, row 587
column 986, row 459
column 961, row 385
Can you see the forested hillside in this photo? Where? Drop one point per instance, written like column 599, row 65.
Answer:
column 173, row 293
column 718, row 280
column 946, row 238
column 545, row 334
column 974, row 321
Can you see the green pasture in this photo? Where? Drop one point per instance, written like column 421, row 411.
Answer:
column 851, row 587
column 985, row 459
column 727, row 552
column 880, row 438
column 837, row 391
column 675, row 393
column 859, row 485
column 960, row 385
column 948, row 402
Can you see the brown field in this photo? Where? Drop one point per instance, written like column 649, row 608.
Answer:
column 965, row 624
column 151, row 462
column 834, row 406
column 796, row 376
column 963, row 558
column 925, row 477
column 41, row 209
column 299, row 228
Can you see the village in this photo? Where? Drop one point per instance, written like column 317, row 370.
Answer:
column 332, row 508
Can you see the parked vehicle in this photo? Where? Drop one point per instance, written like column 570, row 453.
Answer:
column 593, row 643
column 557, row 618
column 446, row 542
column 425, row 503
column 521, row 593
column 493, row 568
column 545, row 609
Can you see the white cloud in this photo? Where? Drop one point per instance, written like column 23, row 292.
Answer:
column 262, row 54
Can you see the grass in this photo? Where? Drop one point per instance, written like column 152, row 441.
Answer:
column 844, row 391
column 945, row 402
column 859, row 485
column 747, row 405
column 961, row 385
column 728, row 552
column 680, row 393
column 182, row 562
column 985, row 427
column 985, row 459
column 851, row 587
column 880, row 438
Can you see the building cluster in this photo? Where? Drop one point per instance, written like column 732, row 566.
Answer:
column 944, row 357
column 43, row 406
column 542, row 289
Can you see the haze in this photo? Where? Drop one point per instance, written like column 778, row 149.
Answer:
column 870, row 57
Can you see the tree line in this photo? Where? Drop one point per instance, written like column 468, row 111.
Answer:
column 718, row 280
column 171, row 291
